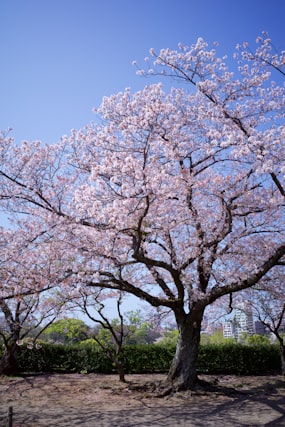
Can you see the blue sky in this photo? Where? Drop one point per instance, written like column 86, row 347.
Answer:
column 60, row 57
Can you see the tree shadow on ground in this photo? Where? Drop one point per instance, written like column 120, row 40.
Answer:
column 221, row 403
column 262, row 405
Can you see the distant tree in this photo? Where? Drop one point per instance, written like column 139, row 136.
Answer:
column 67, row 331
column 217, row 337
column 257, row 339
column 141, row 330
column 169, row 338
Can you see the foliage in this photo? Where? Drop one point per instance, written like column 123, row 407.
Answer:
column 66, row 331
column 88, row 341
column 136, row 329
column 217, row 337
column 169, row 339
column 257, row 339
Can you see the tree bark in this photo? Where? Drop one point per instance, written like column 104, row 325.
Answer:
column 9, row 364
column 282, row 355
column 183, row 371
column 282, row 351
column 120, row 369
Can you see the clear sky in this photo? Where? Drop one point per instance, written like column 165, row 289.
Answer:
column 60, row 57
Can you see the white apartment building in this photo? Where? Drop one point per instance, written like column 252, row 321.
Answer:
column 228, row 329
column 241, row 323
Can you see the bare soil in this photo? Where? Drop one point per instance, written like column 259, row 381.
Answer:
column 93, row 400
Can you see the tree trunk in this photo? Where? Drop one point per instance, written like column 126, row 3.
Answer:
column 121, row 370
column 282, row 355
column 182, row 374
column 9, row 364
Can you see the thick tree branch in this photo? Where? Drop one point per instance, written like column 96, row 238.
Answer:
column 218, row 291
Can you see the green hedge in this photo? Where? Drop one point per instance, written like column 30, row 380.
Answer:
column 215, row 359
column 239, row 359
column 64, row 358
column 147, row 358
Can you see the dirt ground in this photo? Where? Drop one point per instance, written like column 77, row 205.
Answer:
column 93, row 400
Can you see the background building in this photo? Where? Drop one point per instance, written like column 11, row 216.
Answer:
column 240, row 324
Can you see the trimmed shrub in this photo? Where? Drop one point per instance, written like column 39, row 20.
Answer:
column 141, row 359
column 213, row 359
column 64, row 358
column 238, row 359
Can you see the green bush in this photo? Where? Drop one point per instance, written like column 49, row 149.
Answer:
column 147, row 358
column 64, row 358
column 215, row 359
column 239, row 359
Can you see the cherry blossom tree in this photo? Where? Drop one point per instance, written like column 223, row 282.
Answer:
column 112, row 334
column 176, row 198
column 267, row 301
column 115, row 336
column 27, row 301
column 22, row 317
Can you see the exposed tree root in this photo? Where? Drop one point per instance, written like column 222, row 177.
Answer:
column 164, row 389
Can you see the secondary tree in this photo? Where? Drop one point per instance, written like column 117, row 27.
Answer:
column 176, row 198
column 111, row 334
column 267, row 301
column 27, row 303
